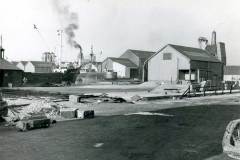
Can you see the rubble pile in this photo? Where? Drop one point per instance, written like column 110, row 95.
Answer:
column 76, row 107
column 23, row 108
column 18, row 111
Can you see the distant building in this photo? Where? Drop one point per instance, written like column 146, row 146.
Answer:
column 138, row 57
column 49, row 57
column 91, row 67
column 39, row 67
column 98, row 65
column 180, row 63
column 124, row 67
column 64, row 66
column 232, row 73
column 174, row 63
column 20, row 64
column 9, row 73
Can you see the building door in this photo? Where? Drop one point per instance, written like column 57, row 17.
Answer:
column 133, row 73
column 215, row 80
column 1, row 78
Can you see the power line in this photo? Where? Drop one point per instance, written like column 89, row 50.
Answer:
column 41, row 36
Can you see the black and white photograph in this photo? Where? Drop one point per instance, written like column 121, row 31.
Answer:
column 119, row 80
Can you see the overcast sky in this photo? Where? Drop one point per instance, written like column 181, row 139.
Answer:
column 113, row 26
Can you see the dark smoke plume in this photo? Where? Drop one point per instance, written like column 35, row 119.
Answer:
column 71, row 20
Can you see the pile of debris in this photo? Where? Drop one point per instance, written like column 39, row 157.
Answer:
column 24, row 109
column 22, row 112
column 33, row 112
column 17, row 110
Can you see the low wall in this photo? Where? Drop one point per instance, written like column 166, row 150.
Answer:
column 43, row 78
column 87, row 78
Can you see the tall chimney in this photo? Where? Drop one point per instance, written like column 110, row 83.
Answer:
column 92, row 55
column 214, row 38
column 1, row 50
column 80, row 57
column 221, row 52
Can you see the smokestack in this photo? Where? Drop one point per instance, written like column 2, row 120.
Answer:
column 70, row 26
column 80, row 55
column 92, row 55
column 214, row 38
column 2, row 53
column 221, row 52
column 1, row 50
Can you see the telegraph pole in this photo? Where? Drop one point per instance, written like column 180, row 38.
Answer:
column 60, row 34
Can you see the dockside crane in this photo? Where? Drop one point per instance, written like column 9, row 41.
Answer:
column 41, row 36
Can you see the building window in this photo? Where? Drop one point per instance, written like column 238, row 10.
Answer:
column 167, row 56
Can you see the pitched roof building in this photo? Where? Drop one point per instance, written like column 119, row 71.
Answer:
column 123, row 66
column 9, row 74
column 20, row 64
column 138, row 57
column 232, row 73
column 174, row 63
column 39, row 67
column 232, row 70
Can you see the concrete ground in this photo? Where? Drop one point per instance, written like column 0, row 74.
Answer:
column 108, row 109
column 194, row 132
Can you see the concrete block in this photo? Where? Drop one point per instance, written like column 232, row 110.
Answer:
column 74, row 98
column 89, row 114
column 84, row 114
column 80, row 114
column 136, row 98
column 68, row 113
column 34, row 122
